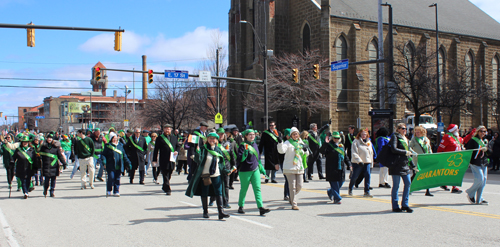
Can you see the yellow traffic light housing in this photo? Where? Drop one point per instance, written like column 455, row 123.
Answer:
column 97, row 73
column 316, row 71
column 118, row 41
column 150, row 76
column 295, row 75
column 31, row 36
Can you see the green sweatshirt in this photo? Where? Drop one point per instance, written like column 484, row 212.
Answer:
column 84, row 151
column 66, row 145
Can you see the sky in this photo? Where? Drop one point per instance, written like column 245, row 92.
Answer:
column 173, row 34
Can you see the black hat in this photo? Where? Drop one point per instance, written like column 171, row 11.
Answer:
column 203, row 123
column 235, row 129
column 130, row 131
column 167, row 126
column 145, row 131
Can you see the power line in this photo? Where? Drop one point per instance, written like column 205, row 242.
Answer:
column 138, row 62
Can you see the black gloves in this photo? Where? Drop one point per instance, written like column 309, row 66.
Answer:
column 330, row 121
column 279, row 139
column 304, row 147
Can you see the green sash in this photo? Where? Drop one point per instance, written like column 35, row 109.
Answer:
column 271, row 135
column 53, row 156
column 405, row 145
column 479, row 141
column 83, row 143
column 135, row 145
column 254, row 152
column 8, row 149
column 313, row 139
column 167, row 142
column 213, row 153
column 200, row 135
column 26, row 155
column 339, row 150
column 299, row 151
column 117, row 167
column 423, row 145
column 456, row 139
column 224, row 151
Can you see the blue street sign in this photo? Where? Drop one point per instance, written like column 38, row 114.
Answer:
column 440, row 127
column 176, row 74
column 340, row 65
column 40, row 117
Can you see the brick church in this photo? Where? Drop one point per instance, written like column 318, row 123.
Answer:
column 468, row 39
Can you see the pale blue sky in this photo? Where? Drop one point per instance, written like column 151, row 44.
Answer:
column 173, row 34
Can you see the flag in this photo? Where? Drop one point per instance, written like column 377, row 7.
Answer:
column 193, row 139
column 441, row 169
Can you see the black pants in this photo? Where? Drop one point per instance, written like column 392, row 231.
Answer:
column 182, row 164
column 310, row 165
column 132, row 175
column 232, row 178
column 156, row 171
column 52, row 181
column 167, row 174
column 10, row 173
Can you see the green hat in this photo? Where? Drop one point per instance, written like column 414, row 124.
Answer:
column 213, row 134
column 97, row 129
column 121, row 131
column 41, row 138
column 24, row 139
column 247, row 131
column 287, row 132
column 336, row 134
column 220, row 131
column 19, row 135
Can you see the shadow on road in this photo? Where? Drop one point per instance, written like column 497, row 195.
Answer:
column 194, row 217
column 347, row 214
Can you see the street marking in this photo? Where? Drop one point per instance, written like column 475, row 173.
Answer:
column 7, row 230
column 443, row 209
column 234, row 216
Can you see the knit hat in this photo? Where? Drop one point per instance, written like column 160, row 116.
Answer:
column 111, row 135
column 50, row 136
column 220, row 131
column 247, row 131
column 293, row 129
column 452, row 128
column 213, row 134
column 287, row 132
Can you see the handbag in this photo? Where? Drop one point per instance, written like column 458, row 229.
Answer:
column 206, row 179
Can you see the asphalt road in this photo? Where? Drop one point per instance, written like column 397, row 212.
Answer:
column 145, row 216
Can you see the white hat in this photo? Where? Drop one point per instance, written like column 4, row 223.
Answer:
column 293, row 129
column 111, row 135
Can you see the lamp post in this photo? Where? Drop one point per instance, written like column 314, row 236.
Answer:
column 264, row 51
column 438, row 88
column 126, row 93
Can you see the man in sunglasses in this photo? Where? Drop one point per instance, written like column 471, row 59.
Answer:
column 452, row 141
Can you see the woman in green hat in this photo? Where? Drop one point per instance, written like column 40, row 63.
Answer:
column 26, row 163
column 248, row 164
column 206, row 180
column 7, row 153
column 51, row 156
column 229, row 160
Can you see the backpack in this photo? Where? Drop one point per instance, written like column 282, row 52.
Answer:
column 386, row 157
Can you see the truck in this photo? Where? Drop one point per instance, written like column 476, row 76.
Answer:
column 426, row 121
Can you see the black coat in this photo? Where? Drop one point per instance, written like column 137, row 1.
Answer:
column 24, row 169
column 332, row 161
column 47, row 168
column 136, row 156
column 164, row 150
column 402, row 164
column 349, row 139
column 312, row 144
column 270, row 148
column 482, row 158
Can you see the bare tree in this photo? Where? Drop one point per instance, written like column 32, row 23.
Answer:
column 458, row 93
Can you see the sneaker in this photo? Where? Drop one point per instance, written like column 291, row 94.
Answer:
column 100, row 179
column 92, row 186
column 483, row 202
column 387, row 185
column 350, row 192
column 116, row 194
column 445, row 188
column 295, row 208
column 108, row 193
column 367, row 194
column 26, row 195
column 274, row 181
column 381, row 186
column 337, row 202
column 472, row 200
column 457, row 191
column 407, row 209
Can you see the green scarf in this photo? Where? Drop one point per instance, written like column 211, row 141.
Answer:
column 251, row 149
column 117, row 167
column 135, row 145
column 299, row 152
column 341, row 155
column 405, row 145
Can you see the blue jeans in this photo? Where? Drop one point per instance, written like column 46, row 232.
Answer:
column 67, row 154
column 356, row 171
column 271, row 174
column 406, row 191
column 101, row 166
column 75, row 167
column 480, row 176
column 114, row 181
column 334, row 191
column 49, row 181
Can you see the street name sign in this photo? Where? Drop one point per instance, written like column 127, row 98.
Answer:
column 176, row 74
column 340, row 65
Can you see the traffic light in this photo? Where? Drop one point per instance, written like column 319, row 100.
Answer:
column 31, row 36
column 316, row 71
column 97, row 73
column 150, row 76
column 295, row 75
column 118, row 41
column 5, row 118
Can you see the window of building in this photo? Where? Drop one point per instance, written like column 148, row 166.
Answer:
column 373, row 74
column 409, row 60
column 341, row 50
column 441, row 67
column 494, row 81
column 469, row 74
column 306, row 38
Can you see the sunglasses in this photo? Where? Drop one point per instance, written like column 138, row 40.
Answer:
column 483, row 131
column 403, row 128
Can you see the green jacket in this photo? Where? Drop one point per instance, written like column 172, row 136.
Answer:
column 66, row 145
column 81, row 150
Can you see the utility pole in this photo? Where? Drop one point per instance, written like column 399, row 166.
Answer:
column 133, row 79
column 218, row 81
column 381, row 56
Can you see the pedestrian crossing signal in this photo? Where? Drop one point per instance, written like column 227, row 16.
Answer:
column 150, row 76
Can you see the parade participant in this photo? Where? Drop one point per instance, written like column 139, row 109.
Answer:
column 26, row 162
column 122, row 135
column 478, row 166
column 146, row 133
column 136, row 149
column 249, row 166
column 206, row 181
column 286, row 189
column 110, row 130
column 66, row 146
column 335, row 165
column 421, row 145
column 193, row 148
column 314, row 145
column 151, row 149
column 304, row 136
column 453, row 142
column 495, row 155
column 229, row 162
column 235, row 140
column 362, row 159
column 167, row 147
column 182, row 158
column 348, row 142
column 84, row 150
column 401, row 169
column 382, row 140
column 35, row 142
column 268, row 144
column 51, row 155
column 7, row 153
column 114, row 161
column 294, row 164
column 99, row 142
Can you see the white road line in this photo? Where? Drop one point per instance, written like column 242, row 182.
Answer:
column 235, row 217
column 7, row 231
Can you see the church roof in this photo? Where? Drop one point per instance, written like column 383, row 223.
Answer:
column 100, row 65
column 454, row 16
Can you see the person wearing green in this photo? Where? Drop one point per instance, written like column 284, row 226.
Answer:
column 115, row 160
column 248, row 164
column 421, row 145
column 8, row 162
column 146, row 133
column 478, row 165
column 206, row 180
column 84, row 150
column 66, row 146
column 26, row 163
column 51, row 156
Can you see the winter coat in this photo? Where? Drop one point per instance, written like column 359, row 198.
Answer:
column 292, row 163
column 8, row 153
column 402, row 163
column 113, row 160
column 135, row 155
column 269, row 146
column 191, row 147
column 333, row 157
column 251, row 162
column 381, row 142
column 162, row 148
column 482, row 157
column 80, row 150
column 415, row 146
column 362, row 152
column 25, row 169
column 49, row 168
column 312, row 143
column 449, row 144
column 98, row 143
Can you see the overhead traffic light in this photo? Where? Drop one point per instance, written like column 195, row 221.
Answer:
column 97, row 73
column 295, row 75
column 316, row 71
column 150, row 76
column 5, row 118
column 118, row 41
column 31, row 36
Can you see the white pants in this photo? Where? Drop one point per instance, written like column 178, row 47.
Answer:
column 84, row 164
column 383, row 176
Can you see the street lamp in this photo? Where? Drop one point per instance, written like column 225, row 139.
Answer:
column 438, row 111
column 265, row 53
column 127, row 91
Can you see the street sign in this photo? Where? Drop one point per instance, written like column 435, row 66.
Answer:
column 218, row 118
column 176, row 74
column 125, row 123
column 440, row 127
column 340, row 65
column 205, row 76
column 39, row 117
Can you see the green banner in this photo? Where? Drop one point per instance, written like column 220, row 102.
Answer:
column 441, row 169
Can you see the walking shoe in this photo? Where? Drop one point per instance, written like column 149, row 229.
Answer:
column 36, row 184
column 240, row 210
column 108, row 193
column 407, row 209
column 387, row 185
column 26, row 195
column 286, row 198
column 483, row 202
column 337, row 202
column 472, row 200
column 227, row 206
column 211, row 203
column 142, row 182
column 274, row 181
column 231, row 187
column 264, row 210
column 371, row 188
column 31, row 189
column 92, row 186
column 397, row 210
column 427, row 193
column 84, row 186
column 295, row 208
column 350, row 192
column 381, row 186
column 267, row 180
column 367, row 194
column 52, row 195
column 306, row 181
column 445, row 188
column 100, row 179
column 116, row 194
column 456, row 190
column 168, row 193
